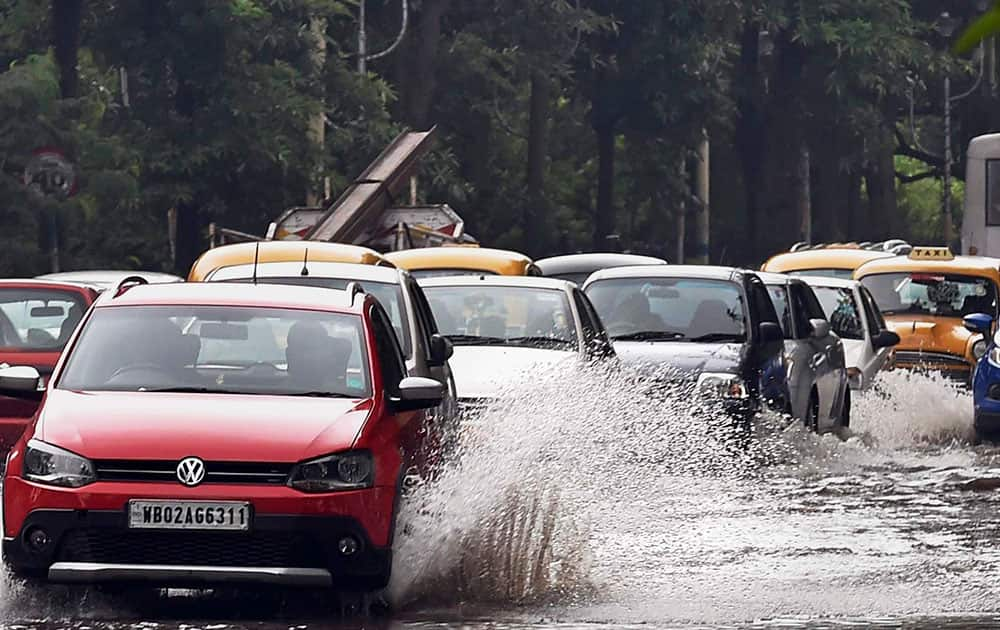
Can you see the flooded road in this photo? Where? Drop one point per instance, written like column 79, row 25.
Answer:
column 572, row 505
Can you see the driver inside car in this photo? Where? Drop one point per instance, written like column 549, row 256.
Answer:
column 634, row 310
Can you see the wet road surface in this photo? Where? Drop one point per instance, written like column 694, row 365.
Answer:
column 573, row 506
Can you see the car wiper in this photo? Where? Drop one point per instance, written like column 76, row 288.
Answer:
column 319, row 395
column 475, row 340
column 718, row 337
column 190, row 390
column 539, row 341
column 649, row 335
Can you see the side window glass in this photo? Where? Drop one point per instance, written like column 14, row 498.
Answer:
column 390, row 357
column 815, row 308
column 589, row 328
column 761, row 303
column 872, row 314
column 802, row 309
column 423, row 308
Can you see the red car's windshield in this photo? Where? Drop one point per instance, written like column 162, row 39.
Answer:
column 214, row 349
column 38, row 320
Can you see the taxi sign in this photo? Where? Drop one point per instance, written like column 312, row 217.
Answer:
column 931, row 253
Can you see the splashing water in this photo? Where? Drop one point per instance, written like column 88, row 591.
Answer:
column 537, row 470
column 907, row 409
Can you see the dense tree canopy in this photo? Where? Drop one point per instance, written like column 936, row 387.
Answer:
column 566, row 124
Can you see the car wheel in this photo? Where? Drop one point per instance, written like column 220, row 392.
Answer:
column 812, row 414
column 845, row 410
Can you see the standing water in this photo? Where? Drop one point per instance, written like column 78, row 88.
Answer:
column 572, row 499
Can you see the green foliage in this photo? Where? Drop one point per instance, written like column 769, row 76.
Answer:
column 986, row 26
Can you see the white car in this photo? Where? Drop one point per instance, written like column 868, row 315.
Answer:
column 856, row 318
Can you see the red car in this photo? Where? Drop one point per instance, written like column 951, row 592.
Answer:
column 201, row 433
column 37, row 317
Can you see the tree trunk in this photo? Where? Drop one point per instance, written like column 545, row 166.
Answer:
column 750, row 131
column 535, row 214
column 604, row 219
column 66, row 16
column 880, row 180
column 418, row 64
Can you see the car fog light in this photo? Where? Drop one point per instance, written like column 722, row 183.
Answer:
column 38, row 539
column 348, row 546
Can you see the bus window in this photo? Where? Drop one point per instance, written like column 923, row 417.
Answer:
column 992, row 192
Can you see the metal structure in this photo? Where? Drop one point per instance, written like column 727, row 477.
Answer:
column 894, row 246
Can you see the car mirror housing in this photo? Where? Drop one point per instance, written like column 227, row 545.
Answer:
column 885, row 339
column 441, row 349
column 979, row 323
column 417, row 392
column 820, row 328
column 20, row 381
column 770, row 332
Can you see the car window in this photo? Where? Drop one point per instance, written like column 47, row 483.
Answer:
column 437, row 273
column 514, row 315
column 422, row 310
column 762, row 305
column 685, row 309
column 876, row 322
column 803, row 309
column 779, row 298
column 943, row 295
column 842, row 310
column 590, row 328
column 390, row 357
column 38, row 319
column 389, row 295
column 246, row 350
column 842, row 274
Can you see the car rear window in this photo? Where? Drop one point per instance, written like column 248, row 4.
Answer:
column 206, row 349
column 39, row 320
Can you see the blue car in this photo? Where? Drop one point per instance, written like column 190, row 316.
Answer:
column 986, row 378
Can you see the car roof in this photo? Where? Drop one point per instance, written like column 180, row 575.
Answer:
column 41, row 283
column 831, row 258
column 348, row 271
column 500, row 261
column 109, row 277
column 576, row 263
column 233, row 294
column 282, row 251
column 708, row 272
column 531, row 282
column 825, row 281
column 962, row 265
column 768, row 277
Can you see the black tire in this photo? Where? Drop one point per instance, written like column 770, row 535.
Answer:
column 844, row 422
column 812, row 413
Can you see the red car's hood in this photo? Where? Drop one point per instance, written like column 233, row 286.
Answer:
column 144, row 425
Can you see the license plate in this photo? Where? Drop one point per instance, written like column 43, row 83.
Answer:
column 213, row 515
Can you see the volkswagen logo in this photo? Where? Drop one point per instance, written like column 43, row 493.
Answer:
column 191, row 471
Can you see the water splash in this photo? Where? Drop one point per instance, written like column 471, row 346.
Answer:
column 910, row 409
column 510, row 519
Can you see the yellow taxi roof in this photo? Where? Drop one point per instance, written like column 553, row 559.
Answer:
column 809, row 259
column 498, row 261
column 282, row 251
column 963, row 265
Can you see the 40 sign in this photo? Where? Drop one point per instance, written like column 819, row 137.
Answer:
column 49, row 173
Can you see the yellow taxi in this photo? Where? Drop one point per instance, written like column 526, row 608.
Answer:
column 833, row 261
column 457, row 261
column 924, row 296
column 282, row 251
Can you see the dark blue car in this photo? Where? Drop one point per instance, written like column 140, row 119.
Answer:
column 986, row 378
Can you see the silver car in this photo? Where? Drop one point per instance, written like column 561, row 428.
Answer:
column 505, row 326
column 426, row 351
column 814, row 355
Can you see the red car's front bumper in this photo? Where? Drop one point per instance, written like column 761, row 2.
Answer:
column 293, row 538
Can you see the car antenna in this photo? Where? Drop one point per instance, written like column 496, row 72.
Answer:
column 305, row 264
column 256, row 256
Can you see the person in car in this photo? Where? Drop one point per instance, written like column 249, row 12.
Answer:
column 634, row 310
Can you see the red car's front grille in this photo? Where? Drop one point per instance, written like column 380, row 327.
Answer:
column 252, row 549
column 215, row 472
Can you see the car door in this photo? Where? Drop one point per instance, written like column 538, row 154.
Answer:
column 766, row 360
column 827, row 353
column 875, row 358
column 797, row 352
column 438, row 370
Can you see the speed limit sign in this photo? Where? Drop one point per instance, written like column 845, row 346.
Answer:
column 49, row 173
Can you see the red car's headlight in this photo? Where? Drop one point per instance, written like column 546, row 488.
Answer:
column 53, row 466
column 353, row 470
